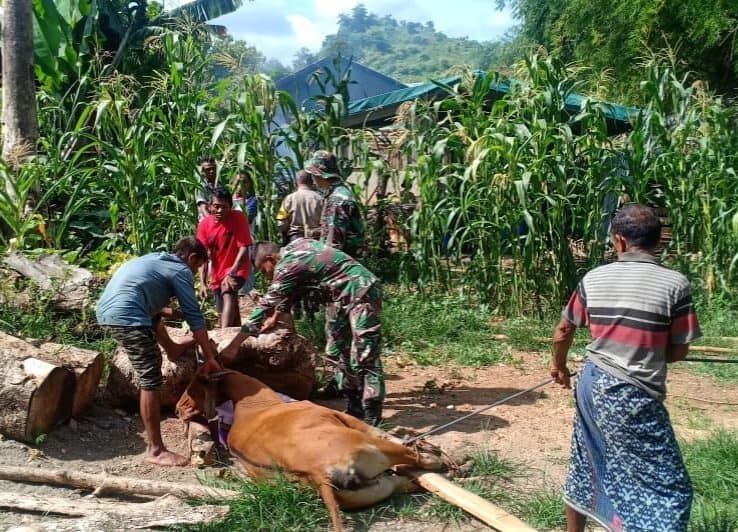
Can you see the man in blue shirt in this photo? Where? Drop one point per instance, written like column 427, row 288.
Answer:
column 130, row 309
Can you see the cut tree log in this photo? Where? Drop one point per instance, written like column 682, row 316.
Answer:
column 282, row 359
column 86, row 365
column 166, row 511
column 104, row 484
column 70, row 285
column 44, row 385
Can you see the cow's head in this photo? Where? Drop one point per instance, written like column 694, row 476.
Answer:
column 201, row 396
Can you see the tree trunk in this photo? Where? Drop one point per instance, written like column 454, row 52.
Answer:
column 20, row 131
column 283, row 360
column 43, row 386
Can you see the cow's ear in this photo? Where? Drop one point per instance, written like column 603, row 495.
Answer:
column 217, row 375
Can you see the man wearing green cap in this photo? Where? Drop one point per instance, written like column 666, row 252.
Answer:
column 341, row 228
column 341, row 224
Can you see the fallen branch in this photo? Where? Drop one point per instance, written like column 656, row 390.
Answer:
column 163, row 512
column 103, row 483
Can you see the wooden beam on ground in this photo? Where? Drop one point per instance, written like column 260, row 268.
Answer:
column 490, row 514
column 709, row 349
column 103, row 483
column 166, row 511
column 480, row 508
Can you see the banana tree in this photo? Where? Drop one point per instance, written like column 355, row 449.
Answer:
column 67, row 33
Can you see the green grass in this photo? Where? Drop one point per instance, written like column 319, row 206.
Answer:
column 486, row 463
column 712, row 464
column 718, row 321
column 439, row 330
column 542, row 509
column 276, row 504
column 39, row 320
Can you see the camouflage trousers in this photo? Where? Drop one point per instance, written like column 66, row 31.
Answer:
column 353, row 346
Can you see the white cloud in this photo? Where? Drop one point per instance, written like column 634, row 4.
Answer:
column 330, row 9
column 306, row 32
column 279, row 27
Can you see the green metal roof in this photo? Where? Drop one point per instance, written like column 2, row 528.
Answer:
column 382, row 106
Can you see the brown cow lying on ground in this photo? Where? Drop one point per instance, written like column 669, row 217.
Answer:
column 350, row 463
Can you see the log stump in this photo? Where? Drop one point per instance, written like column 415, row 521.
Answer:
column 43, row 385
column 283, row 360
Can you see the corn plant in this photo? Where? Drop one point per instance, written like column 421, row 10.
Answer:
column 684, row 157
column 506, row 185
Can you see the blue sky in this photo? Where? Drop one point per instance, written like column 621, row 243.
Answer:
column 278, row 28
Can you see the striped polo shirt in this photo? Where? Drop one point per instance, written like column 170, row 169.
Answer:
column 634, row 308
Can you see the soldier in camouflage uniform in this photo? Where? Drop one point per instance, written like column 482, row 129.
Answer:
column 341, row 228
column 341, row 225
column 356, row 295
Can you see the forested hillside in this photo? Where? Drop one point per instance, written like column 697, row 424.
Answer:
column 408, row 51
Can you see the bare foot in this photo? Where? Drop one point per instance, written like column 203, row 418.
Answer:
column 177, row 349
column 166, row 458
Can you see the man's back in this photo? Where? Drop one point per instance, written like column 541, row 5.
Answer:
column 302, row 211
column 341, row 225
column 635, row 309
column 142, row 287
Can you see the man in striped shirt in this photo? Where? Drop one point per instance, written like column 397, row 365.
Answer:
column 626, row 471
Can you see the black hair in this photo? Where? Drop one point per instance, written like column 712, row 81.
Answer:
column 207, row 159
column 187, row 246
column 262, row 249
column 638, row 224
column 222, row 193
column 303, row 177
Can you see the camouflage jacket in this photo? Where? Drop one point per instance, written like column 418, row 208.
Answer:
column 341, row 225
column 309, row 264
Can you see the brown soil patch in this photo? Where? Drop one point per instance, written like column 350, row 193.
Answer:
column 532, row 430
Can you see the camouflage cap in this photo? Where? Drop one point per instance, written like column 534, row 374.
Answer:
column 323, row 164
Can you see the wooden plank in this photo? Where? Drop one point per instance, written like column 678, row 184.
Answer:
column 480, row 508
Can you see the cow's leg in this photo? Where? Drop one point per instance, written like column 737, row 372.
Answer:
column 399, row 455
column 329, row 498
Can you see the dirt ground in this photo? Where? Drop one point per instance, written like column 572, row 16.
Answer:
column 532, row 430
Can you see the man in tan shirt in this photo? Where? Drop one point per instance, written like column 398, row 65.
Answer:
column 300, row 217
column 300, row 213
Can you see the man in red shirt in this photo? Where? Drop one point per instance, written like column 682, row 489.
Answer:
column 226, row 235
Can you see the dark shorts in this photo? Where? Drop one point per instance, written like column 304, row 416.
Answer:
column 143, row 351
column 218, row 293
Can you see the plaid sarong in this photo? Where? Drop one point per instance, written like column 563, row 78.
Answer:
column 626, row 471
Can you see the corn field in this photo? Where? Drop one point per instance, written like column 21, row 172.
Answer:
column 514, row 194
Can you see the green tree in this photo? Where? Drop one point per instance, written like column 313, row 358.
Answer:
column 20, row 129
column 700, row 34
column 410, row 51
